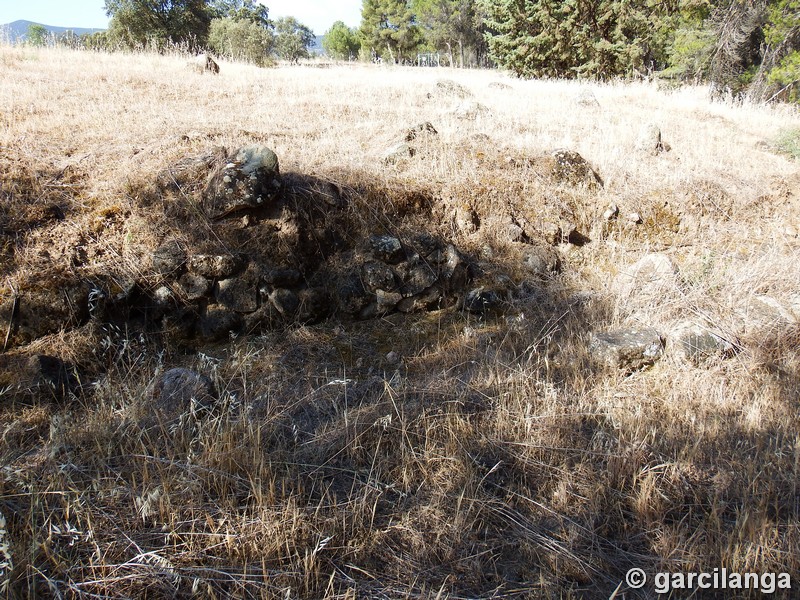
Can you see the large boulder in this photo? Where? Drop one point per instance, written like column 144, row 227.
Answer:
column 571, row 168
column 249, row 180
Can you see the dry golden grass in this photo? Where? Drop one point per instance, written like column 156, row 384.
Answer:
column 494, row 460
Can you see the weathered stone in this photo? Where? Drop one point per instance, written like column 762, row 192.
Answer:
column 387, row 249
column 35, row 377
column 215, row 266
column 629, row 349
column 649, row 140
column 250, row 180
column 611, row 212
column 282, row 277
column 169, row 258
column 351, row 294
column 387, row 301
column 420, row 131
column 481, row 301
column 419, row 278
column 203, row 63
column 315, row 305
column 541, row 261
column 194, row 287
column 377, row 275
column 180, row 390
column 587, row 99
column 647, row 282
column 218, row 323
column 696, row 343
column 398, row 153
column 467, row 220
column 763, row 314
column 451, row 88
column 571, row 168
column 285, row 301
column 240, row 293
column 470, row 111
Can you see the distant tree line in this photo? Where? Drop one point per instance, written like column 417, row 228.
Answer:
column 744, row 48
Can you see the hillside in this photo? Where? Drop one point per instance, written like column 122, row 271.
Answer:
column 17, row 30
column 460, row 336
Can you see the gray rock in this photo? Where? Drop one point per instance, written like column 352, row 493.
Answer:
column 648, row 282
column 194, row 287
column 628, row 349
column 387, row 301
column 470, row 111
column 377, row 275
column 250, row 180
column 541, row 261
column 467, row 220
column 35, row 377
column 419, row 279
column 499, row 85
column 215, row 266
column 481, row 301
column 649, row 140
column 285, row 301
column 571, row 168
column 169, row 258
column 448, row 87
column 387, row 249
column 218, row 323
column 611, row 212
column 696, row 343
column 398, row 153
column 586, row 98
column 422, row 130
column 315, row 305
column 240, row 294
column 352, row 295
column 180, row 390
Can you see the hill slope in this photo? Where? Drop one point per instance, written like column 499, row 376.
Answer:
column 17, row 30
column 405, row 373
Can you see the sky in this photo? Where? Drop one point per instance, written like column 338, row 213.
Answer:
column 319, row 15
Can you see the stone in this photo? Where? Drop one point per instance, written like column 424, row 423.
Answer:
column 499, row 85
column 467, row 220
column 397, row 153
column 481, row 301
column 470, row 111
column 351, row 294
column 169, row 258
column 215, row 266
column 449, row 87
column 634, row 218
column 586, row 98
column 648, row 282
column 285, row 301
column 315, row 305
column 387, row 301
column 218, row 323
column 180, row 390
column 649, row 140
column 378, row 275
column 282, row 277
column 419, row 279
column 541, row 261
column 629, row 349
column 240, row 294
column 421, row 130
column 571, row 168
column 249, row 180
column 194, row 287
column 35, row 377
column 203, row 63
column 387, row 249
column 696, row 344
column 611, row 212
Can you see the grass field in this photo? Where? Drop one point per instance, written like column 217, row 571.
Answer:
column 435, row 454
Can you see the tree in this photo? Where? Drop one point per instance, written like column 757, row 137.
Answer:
column 389, row 30
column 37, row 35
column 577, row 38
column 242, row 40
column 139, row 23
column 242, row 10
column 341, row 42
column 451, row 26
column 293, row 39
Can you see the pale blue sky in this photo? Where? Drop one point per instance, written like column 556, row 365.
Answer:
column 317, row 14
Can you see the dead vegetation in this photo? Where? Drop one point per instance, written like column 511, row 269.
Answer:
column 431, row 454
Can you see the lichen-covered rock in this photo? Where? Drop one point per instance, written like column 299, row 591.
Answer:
column 541, row 261
column 697, row 344
column 419, row 278
column 250, row 180
column 215, row 266
column 448, row 87
column 481, row 301
column 387, row 248
column 629, row 349
column 571, row 168
column 285, row 301
column 421, row 130
column 194, row 287
column 398, row 153
column 180, row 390
column 218, row 323
column 647, row 283
column 169, row 258
column 377, row 275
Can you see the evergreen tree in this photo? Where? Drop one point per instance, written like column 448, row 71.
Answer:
column 37, row 35
column 452, row 27
column 577, row 38
column 389, row 30
column 341, row 42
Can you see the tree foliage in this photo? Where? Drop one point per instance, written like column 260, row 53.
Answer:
column 159, row 23
column 389, row 30
column 37, row 35
column 242, row 40
column 341, row 42
column 452, row 27
column 293, row 39
column 572, row 38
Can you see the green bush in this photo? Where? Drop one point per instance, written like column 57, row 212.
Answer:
column 241, row 40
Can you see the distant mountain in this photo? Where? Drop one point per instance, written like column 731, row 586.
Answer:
column 16, row 31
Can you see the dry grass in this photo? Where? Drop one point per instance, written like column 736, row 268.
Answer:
column 493, row 460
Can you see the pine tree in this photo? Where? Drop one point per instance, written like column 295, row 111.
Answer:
column 389, row 30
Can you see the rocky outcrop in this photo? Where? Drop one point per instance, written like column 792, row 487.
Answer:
column 571, row 168
column 249, row 180
column 629, row 349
